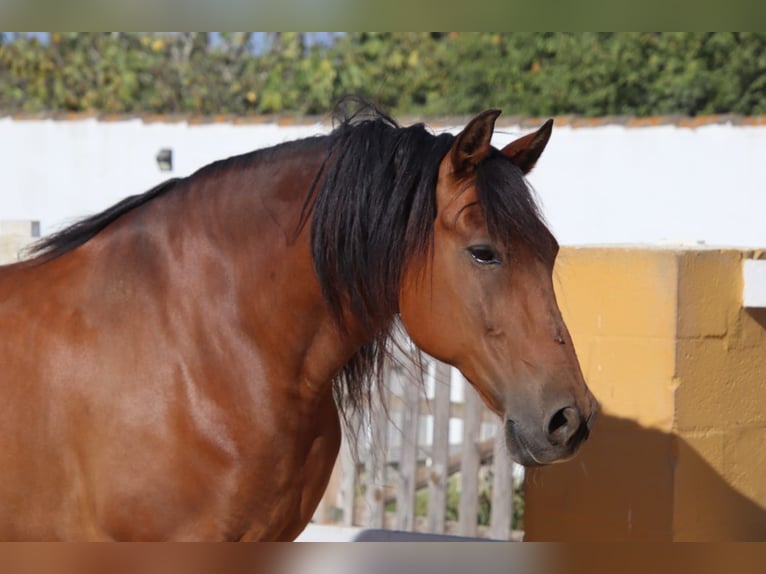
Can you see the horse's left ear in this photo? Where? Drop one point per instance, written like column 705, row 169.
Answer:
column 525, row 151
column 473, row 144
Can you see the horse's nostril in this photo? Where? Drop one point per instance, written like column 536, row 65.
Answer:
column 558, row 420
column 563, row 425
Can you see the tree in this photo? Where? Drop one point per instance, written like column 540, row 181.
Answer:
column 452, row 73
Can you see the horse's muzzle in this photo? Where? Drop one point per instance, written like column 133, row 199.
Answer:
column 564, row 430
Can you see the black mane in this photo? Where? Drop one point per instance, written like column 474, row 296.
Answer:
column 70, row 238
column 374, row 211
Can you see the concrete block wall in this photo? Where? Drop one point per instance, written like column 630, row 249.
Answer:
column 720, row 401
column 680, row 370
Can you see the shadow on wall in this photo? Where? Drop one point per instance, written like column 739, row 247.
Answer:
column 634, row 483
column 759, row 316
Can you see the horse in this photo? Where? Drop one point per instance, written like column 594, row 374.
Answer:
column 177, row 367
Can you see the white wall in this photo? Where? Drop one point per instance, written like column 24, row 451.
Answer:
column 57, row 171
column 598, row 185
column 656, row 184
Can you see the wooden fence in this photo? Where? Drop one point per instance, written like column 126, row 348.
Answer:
column 434, row 460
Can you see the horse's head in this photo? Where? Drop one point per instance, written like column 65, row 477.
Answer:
column 483, row 299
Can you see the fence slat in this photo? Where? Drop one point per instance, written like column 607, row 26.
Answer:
column 469, row 474
column 437, row 479
column 348, row 476
column 405, row 499
column 502, row 489
column 376, row 464
column 326, row 510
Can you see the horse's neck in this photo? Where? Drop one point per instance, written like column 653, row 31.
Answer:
column 239, row 241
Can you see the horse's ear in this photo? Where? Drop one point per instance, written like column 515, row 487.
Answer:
column 525, row 151
column 473, row 144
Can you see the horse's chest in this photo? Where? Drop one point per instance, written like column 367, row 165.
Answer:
column 258, row 480
column 282, row 492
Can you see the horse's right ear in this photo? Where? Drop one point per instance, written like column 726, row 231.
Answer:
column 525, row 151
column 473, row 144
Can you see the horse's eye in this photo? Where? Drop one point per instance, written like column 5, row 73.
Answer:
column 484, row 254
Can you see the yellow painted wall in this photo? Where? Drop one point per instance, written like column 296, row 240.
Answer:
column 680, row 370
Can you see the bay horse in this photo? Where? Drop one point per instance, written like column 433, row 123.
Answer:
column 173, row 368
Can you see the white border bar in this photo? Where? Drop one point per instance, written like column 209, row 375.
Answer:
column 754, row 283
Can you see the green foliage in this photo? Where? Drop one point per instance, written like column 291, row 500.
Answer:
column 524, row 73
column 484, row 501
